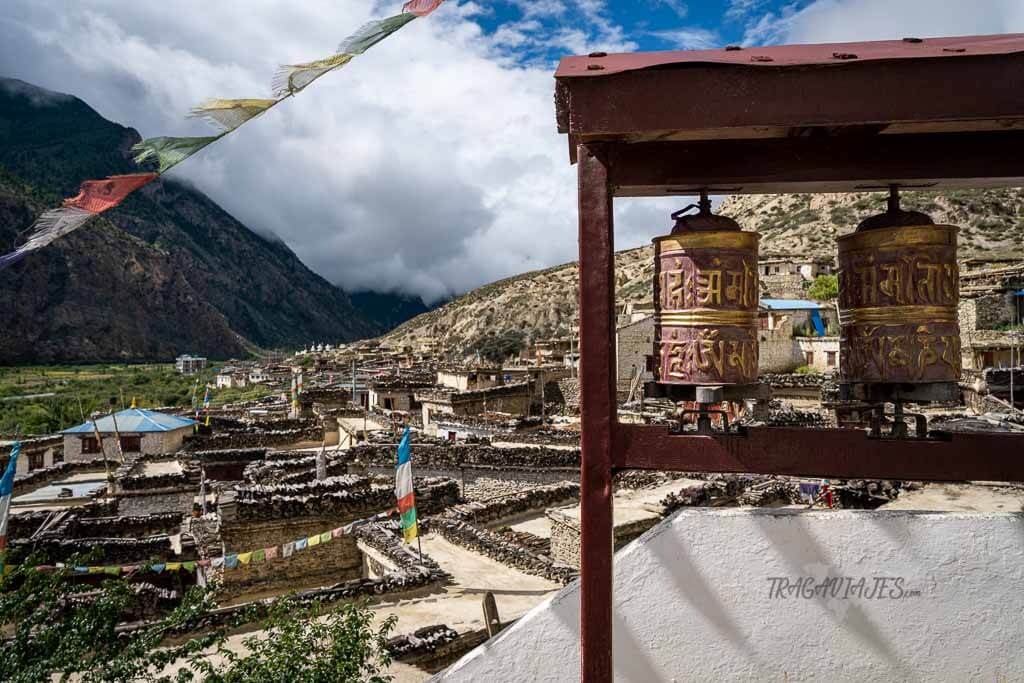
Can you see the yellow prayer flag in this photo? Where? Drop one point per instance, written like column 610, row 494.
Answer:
column 312, row 541
column 244, row 558
column 410, row 533
column 173, row 566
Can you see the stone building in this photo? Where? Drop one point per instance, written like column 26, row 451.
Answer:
column 470, row 379
column 513, row 399
column 141, row 432
column 820, row 354
column 395, row 393
column 634, row 349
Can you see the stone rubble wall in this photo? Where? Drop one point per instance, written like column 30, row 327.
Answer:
column 255, row 438
column 517, row 504
column 498, row 547
column 454, row 456
column 421, row 642
column 114, row 550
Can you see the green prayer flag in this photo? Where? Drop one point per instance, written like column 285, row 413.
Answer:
column 372, row 33
column 291, row 78
column 169, row 151
column 259, row 556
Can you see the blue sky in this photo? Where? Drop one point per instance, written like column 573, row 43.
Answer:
column 549, row 28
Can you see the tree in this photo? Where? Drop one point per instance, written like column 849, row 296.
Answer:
column 54, row 627
column 824, row 288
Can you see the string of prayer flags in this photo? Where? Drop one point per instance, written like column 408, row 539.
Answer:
column 292, row 78
column 228, row 115
column 169, row 152
column 809, row 491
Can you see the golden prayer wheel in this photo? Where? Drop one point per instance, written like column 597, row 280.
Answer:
column 705, row 301
column 899, row 285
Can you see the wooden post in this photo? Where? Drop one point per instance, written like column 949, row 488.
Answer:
column 598, row 410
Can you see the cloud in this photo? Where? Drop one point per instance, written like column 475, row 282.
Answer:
column 691, row 38
column 430, row 165
column 853, row 20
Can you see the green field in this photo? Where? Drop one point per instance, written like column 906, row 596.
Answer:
column 46, row 399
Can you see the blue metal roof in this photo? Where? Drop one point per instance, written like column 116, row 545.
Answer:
column 134, row 421
column 790, row 304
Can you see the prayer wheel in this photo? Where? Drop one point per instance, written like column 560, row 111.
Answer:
column 705, row 301
column 899, row 285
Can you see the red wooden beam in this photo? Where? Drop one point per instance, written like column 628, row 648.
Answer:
column 599, row 412
column 829, row 453
column 842, row 163
column 693, row 97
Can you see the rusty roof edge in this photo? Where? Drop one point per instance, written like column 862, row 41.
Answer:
column 780, row 56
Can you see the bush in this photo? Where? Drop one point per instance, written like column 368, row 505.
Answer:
column 806, row 370
column 824, row 288
column 56, row 628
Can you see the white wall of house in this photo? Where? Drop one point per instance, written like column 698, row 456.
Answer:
column 151, row 443
column 712, row 595
column 819, row 353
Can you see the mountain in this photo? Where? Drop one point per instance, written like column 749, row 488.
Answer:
column 389, row 310
column 166, row 272
column 507, row 313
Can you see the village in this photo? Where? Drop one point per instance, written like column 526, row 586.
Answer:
column 295, row 492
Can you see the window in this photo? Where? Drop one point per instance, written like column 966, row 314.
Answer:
column 651, row 364
column 988, row 359
column 131, row 444
column 809, row 357
column 35, row 461
column 767, row 270
column 451, row 436
column 830, row 358
column 389, row 404
column 90, row 444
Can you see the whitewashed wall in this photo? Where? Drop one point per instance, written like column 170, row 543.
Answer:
column 702, row 597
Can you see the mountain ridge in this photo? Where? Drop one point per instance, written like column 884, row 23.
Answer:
column 248, row 290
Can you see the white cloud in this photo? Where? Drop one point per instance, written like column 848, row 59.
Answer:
column 691, row 38
column 854, row 20
column 430, row 165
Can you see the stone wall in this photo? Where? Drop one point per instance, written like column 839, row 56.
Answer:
column 634, row 343
column 500, row 547
column 509, row 506
column 985, row 312
column 570, row 393
column 329, row 563
column 565, row 536
column 777, row 352
column 456, row 455
column 142, row 503
column 783, row 286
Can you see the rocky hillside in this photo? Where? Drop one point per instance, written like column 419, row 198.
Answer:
column 508, row 313
column 167, row 272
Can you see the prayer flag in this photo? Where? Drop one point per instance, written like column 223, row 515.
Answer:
column 313, row 541
column 50, row 226
column 292, row 78
column 158, row 568
column 216, row 562
column 259, row 556
column 98, row 196
column 404, row 488
column 287, row 550
column 339, row 532
column 231, row 561
column 112, row 570
column 371, row 33
column 204, row 563
column 325, row 537
column 230, row 114
column 421, row 8
column 168, row 151
column 173, row 566
column 244, row 558
column 188, row 566
column 6, row 493
column 95, row 570
column 300, row 544
column 270, row 553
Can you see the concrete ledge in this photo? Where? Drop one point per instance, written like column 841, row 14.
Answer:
column 738, row 595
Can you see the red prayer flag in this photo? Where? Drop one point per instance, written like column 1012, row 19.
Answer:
column 97, row 196
column 421, row 8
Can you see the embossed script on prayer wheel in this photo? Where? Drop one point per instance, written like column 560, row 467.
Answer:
column 705, row 302
column 898, row 295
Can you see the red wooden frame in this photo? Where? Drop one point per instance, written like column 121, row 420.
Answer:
column 938, row 113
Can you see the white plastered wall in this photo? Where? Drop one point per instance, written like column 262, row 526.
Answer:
column 694, row 601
